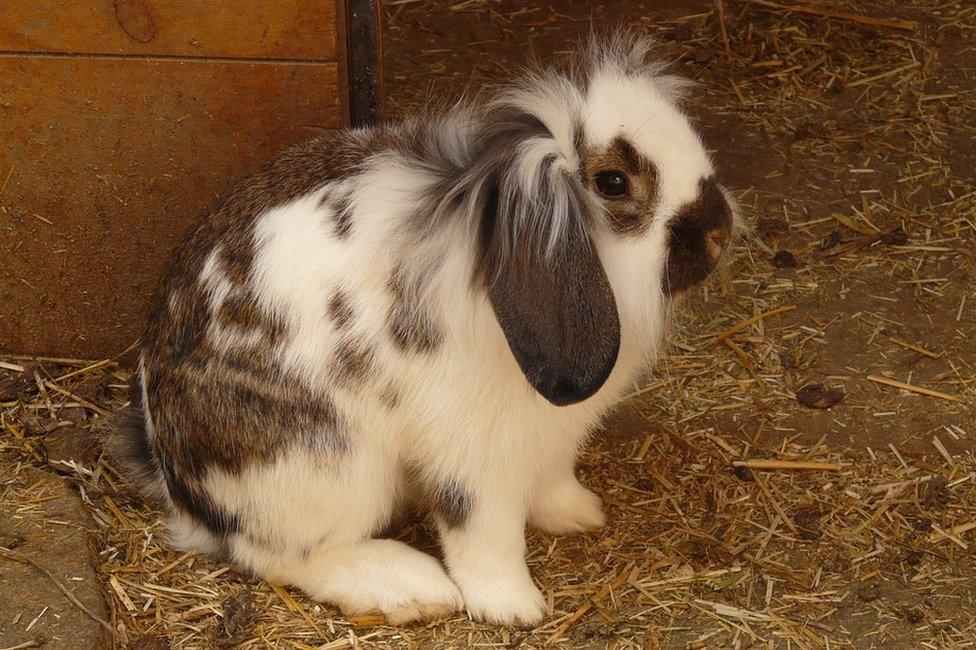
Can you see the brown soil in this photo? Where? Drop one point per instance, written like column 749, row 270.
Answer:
column 46, row 550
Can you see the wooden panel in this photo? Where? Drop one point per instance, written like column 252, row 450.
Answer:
column 282, row 29
column 105, row 162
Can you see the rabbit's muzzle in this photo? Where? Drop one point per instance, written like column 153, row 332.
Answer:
column 699, row 235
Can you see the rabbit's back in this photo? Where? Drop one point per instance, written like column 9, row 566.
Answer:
column 225, row 372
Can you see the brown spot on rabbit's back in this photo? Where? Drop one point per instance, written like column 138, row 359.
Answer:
column 340, row 310
column 411, row 326
column 186, row 330
column 354, row 363
column 241, row 417
column 237, row 257
column 240, row 310
column 390, row 397
column 339, row 208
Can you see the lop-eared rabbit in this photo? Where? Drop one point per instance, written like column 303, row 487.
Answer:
column 432, row 314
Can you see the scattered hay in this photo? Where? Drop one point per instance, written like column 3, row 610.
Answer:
column 711, row 539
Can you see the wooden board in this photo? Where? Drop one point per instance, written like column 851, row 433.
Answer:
column 302, row 30
column 103, row 165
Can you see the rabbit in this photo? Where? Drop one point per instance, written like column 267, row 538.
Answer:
column 432, row 314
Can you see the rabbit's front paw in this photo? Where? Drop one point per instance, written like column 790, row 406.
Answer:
column 421, row 592
column 385, row 576
column 567, row 508
column 504, row 600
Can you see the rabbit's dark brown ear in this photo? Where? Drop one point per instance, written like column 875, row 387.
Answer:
column 554, row 303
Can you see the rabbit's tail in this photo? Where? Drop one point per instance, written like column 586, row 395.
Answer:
column 127, row 439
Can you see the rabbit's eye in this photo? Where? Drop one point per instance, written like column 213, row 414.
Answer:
column 611, row 183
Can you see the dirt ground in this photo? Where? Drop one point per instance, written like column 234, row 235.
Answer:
column 840, row 338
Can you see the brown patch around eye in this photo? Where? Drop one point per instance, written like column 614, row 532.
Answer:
column 626, row 219
column 629, row 214
column 634, row 163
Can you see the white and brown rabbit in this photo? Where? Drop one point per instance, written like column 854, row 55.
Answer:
column 434, row 313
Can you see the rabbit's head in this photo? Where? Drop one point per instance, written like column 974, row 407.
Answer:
column 594, row 199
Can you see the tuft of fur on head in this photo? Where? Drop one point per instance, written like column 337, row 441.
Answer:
column 630, row 53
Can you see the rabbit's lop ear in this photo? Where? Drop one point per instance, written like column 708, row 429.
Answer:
column 547, row 286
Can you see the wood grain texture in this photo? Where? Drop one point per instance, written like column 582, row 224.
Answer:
column 103, row 165
column 256, row 29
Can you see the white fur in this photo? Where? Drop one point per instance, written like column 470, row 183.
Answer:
column 466, row 411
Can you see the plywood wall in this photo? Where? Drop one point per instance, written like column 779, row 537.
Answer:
column 121, row 121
